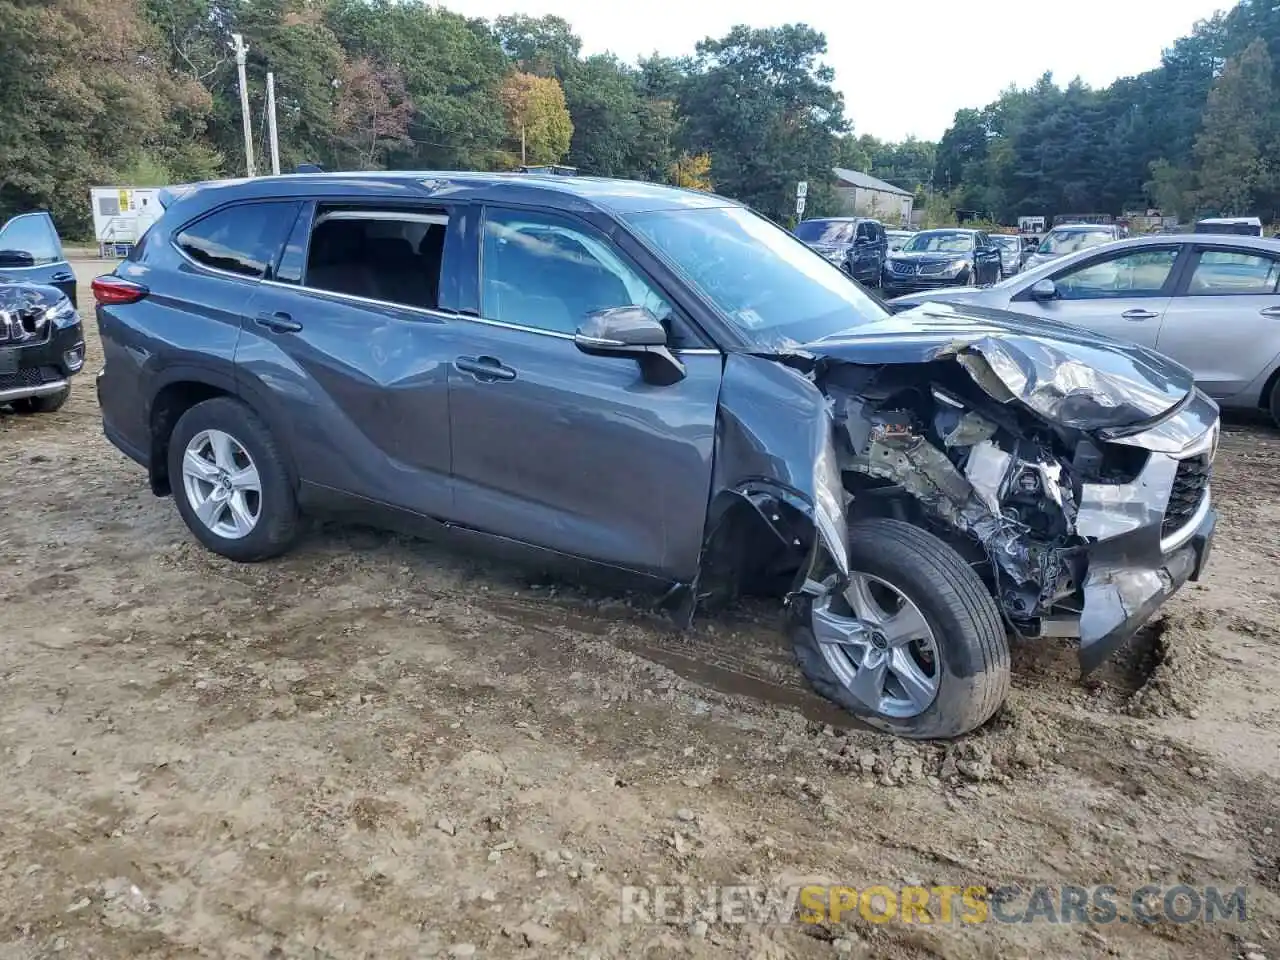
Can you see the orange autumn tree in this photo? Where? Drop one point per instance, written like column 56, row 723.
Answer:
column 538, row 123
column 693, row 172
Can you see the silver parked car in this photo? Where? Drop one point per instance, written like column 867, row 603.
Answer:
column 1070, row 238
column 1208, row 301
column 1010, row 248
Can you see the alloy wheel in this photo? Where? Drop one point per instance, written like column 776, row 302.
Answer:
column 879, row 645
column 221, row 484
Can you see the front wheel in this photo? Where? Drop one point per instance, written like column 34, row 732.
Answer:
column 914, row 645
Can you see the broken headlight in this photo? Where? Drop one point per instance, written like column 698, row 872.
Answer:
column 61, row 314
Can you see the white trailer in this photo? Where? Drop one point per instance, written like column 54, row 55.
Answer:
column 121, row 215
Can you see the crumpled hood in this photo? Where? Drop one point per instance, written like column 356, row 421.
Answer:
column 1069, row 376
column 23, row 295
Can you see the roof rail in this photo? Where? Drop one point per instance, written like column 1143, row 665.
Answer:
column 555, row 169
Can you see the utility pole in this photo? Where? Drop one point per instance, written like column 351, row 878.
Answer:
column 237, row 43
column 271, row 124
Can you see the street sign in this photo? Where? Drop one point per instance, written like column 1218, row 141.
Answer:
column 802, row 189
column 799, row 206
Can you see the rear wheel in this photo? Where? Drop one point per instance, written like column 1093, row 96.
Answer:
column 230, row 481
column 1275, row 403
column 49, row 403
column 914, row 645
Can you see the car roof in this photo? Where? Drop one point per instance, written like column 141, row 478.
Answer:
column 1247, row 221
column 1081, row 227
column 575, row 193
column 949, row 230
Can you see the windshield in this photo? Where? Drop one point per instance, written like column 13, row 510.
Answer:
column 1069, row 241
column 825, row 231
column 775, row 291
column 1006, row 242
column 940, row 241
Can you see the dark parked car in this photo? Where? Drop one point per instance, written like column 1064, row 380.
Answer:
column 942, row 258
column 41, row 346
column 856, row 245
column 661, row 385
column 31, row 251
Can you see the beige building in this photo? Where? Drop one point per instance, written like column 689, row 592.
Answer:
column 863, row 195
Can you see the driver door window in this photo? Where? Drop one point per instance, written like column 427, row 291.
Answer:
column 543, row 272
column 1142, row 273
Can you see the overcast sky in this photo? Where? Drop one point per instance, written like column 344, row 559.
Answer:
column 905, row 67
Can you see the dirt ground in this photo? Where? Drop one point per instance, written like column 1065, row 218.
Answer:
column 375, row 747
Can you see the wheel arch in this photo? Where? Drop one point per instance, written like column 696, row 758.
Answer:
column 179, row 389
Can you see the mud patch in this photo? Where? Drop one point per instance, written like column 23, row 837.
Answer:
column 1173, row 659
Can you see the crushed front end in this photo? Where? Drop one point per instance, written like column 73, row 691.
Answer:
column 1080, row 490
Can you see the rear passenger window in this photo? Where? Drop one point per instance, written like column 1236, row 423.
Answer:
column 389, row 255
column 1222, row 273
column 244, row 239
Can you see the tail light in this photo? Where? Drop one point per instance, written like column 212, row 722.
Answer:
column 109, row 290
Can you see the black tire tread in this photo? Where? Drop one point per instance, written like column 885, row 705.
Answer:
column 960, row 589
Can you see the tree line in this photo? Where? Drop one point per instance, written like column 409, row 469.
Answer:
column 144, row 92
column 1199, row 135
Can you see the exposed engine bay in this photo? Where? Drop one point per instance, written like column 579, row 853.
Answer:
column 1063, row 505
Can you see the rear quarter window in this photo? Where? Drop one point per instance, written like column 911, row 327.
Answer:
column 244, row 239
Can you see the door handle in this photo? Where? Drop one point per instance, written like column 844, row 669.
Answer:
column 1270, row 311
column 485, row 369
column 1139, row 314
column 278, row 322
column 62, row 276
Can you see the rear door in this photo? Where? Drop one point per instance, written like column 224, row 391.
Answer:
column 1224, row 320
column 1123, row 295
column 572, row 452
column 350, row 343
column 31, row 250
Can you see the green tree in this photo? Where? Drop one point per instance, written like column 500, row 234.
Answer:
column 760, row 101
column 1239, row 126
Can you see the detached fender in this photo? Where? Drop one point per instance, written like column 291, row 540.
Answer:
column 775, row 459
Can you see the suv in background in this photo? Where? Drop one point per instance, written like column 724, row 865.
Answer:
column 31, row 250
column 1069, row 238
column 663, row 387
column 856, row 245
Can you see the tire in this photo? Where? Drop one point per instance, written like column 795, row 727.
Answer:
column 971, row 659
column 1275, row 403
column 49, row 403
column 276, row 522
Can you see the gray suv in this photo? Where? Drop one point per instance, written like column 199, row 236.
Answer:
column 660, row 386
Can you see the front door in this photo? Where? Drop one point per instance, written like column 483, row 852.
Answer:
column 350, row 344
column 30, row 250
column 1123, row 295
column 564, row 450
column 1223, row 323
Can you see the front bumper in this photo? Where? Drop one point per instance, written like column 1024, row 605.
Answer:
column 895, row 285
column 39, row 369
column 1143, row 544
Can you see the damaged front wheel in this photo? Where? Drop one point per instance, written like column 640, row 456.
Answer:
column 913, row 644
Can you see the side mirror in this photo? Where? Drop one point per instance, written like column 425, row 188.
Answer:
column 631, row 332
column 16, row 259
column 1044, row 289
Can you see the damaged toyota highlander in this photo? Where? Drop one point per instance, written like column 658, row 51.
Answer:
column 661, row 384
